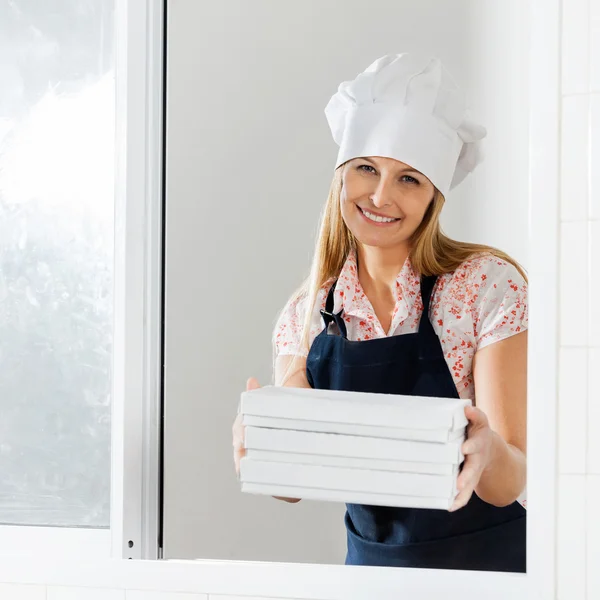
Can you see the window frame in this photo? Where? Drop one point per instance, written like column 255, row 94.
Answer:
column 138, row 296
column 139, row 193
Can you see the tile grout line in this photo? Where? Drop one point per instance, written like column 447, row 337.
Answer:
column 558, row 263
column 579, row 221
column 589, row 301
column 587, row 404
column 591, row 92
column 576, row 347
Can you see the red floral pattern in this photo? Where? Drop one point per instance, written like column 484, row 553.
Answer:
column 482, row 302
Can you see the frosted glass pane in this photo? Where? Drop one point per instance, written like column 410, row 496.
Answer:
column 56, row 260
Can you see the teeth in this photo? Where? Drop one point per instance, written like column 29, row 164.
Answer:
column 377, row 219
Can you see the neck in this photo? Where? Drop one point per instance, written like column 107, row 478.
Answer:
column 378, row 268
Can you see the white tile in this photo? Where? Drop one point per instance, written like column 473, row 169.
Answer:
column 572, row 407
column 571, row 548
column 9, row 591
column 142, row 595
column 593, row 537
column 593, row 414
column 595, row 155
column 83, row 593
column 573, row 284
column 575, row 47
column 575, row 158
column 595, row 45
column 594, row 284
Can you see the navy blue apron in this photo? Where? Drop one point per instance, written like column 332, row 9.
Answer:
column 477, row 537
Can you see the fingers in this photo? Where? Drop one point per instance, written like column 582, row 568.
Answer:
column 473, row 450
column 462, row 499
column 238, row 430
column 252, row 384
column 238, row 438
column 473, row 445
column 478, row 447
column 238, row 453
column 469, row 476
column 476, row 417
column 239, row 450
column 466, row 481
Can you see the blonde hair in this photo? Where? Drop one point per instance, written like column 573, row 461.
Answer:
column 432, row 252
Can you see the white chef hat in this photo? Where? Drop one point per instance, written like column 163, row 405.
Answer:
column 407, row 107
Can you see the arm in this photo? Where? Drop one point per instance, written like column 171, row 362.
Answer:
column 500, row 372
column 499, row 423
column 290, row 371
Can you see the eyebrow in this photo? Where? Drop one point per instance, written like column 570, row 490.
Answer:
column 404, row 170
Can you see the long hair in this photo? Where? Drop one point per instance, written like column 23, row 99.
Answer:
column 431, row 251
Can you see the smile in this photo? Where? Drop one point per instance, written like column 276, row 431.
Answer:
column 376, row 218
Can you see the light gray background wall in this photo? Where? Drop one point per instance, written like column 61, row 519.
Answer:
column 249, row 162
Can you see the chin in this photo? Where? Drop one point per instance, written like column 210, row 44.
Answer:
column 378, row 239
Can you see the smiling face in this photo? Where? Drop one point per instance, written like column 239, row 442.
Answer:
column 383, row 201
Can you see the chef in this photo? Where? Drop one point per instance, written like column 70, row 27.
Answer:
column 393, row 305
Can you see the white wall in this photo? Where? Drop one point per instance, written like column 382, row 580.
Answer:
column 249, row 162
column 578, row 531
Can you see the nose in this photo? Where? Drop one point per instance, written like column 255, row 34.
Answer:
column 382, row 196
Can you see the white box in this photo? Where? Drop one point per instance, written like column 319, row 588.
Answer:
column 344, row 479
column 349, row 497
column 396, row 433
column 354, row 463
column 386, row 410
column 334, row 444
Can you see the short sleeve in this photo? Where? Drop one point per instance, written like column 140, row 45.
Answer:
column 499, row 308
column 287, row 334
column 288, row 329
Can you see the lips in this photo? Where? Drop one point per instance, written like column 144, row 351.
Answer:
column 378, row 218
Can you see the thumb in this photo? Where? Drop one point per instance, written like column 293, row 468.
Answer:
column 476, row 417
column 252, row 384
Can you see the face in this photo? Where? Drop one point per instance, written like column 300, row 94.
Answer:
column 383, row 201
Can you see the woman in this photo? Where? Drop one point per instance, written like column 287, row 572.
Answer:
column 394, row 306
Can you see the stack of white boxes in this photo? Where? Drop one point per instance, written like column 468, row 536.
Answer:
column 353, row 447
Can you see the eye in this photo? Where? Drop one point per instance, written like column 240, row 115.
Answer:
column 366, row 168
column 410, row 179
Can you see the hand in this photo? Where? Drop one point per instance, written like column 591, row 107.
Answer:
column 477, row 450
column 238, row 430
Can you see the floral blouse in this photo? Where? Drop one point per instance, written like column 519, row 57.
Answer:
column 482, row 302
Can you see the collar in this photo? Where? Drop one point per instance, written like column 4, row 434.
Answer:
column 351, row 297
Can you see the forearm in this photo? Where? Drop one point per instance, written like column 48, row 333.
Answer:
column 505, row 477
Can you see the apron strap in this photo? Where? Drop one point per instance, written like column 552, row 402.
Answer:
column 429, row 343
column 330, row 317
column 427, row 285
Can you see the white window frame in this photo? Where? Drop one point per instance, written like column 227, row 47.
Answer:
column 137, row 385
column 137, row 388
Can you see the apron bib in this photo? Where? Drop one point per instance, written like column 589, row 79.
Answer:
column 477, row 537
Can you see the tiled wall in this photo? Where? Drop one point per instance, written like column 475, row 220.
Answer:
column 578, row 548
